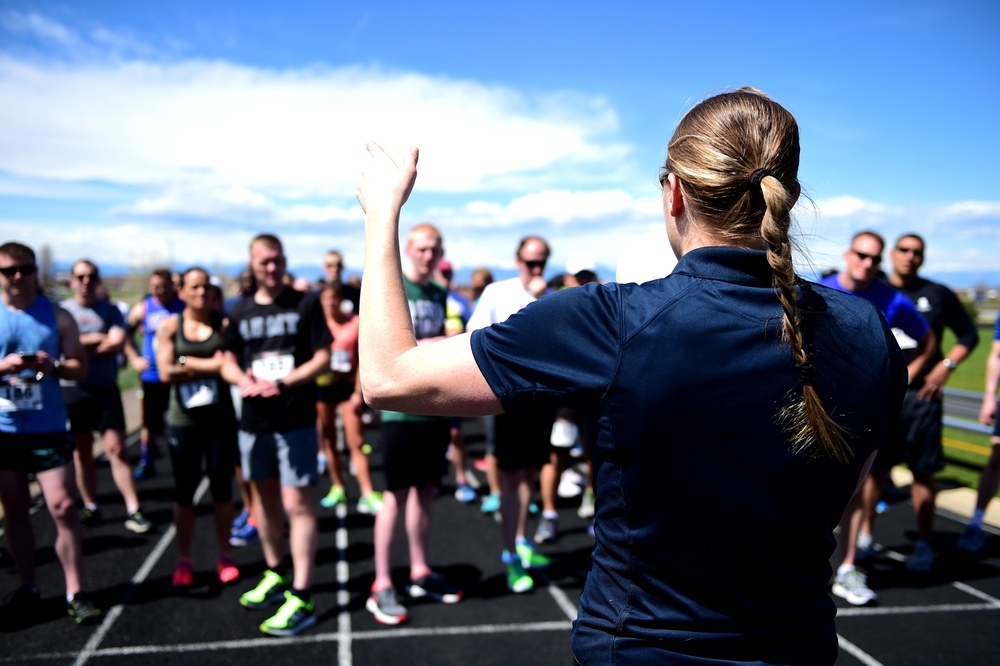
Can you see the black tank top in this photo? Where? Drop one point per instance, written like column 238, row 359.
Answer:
column 201, row 401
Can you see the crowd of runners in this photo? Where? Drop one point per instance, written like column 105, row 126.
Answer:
column 261, row 385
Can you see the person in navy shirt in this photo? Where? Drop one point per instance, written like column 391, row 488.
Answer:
column 737, row 407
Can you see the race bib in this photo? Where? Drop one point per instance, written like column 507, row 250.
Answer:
column 273, row 365
column 198, row 393
column 340, row 360
column 20, row 396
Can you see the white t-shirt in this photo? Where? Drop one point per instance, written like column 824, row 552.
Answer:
column 498, row 301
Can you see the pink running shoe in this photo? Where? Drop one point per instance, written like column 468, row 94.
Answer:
column 183, row 573
column 228, row 572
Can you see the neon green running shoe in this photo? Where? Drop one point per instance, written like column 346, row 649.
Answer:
column 518, row 580
column 334, row 497
column 269, row 591
column 294, row 617
column 529, row 558
column 370, row 504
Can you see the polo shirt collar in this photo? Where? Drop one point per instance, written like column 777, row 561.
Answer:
column 728, row 264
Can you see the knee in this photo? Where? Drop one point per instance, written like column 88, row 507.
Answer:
column 62, row 508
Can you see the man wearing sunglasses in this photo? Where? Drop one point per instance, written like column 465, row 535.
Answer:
column 39, row 344
column 918, row 439
column 95, row 402
column 861, row 278
column 521, row 445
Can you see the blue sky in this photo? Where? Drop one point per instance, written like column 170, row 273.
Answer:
column 141, row 133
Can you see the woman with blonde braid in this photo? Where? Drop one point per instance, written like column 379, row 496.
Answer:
column 737, row 407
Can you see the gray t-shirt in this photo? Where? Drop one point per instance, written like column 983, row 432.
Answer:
column 101, row 317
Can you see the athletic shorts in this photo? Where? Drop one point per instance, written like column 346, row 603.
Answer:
column 196, row 451
column 155, row 401
column 916, row 437
column 413, row 453
column 35, row 452
column 91, row 408
column 523, row 441
column 335, row 393
column 287, row 456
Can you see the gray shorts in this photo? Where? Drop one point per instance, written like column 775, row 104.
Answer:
column 289, row 456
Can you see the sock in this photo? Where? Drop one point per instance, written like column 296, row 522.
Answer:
column 281, row 570
column 92, row 507
column 977, row 518
column 554, row 515
column 304, row 595
column 844, row 568
column 864, row 540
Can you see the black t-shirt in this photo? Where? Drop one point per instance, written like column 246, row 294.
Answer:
column 941, row 307
column 271, row 340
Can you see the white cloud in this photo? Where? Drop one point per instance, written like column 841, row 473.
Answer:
column 292, row 132
column 44, row 29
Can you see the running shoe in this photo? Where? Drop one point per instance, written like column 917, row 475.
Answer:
column 518, row 580
column 465, row 493
column 146, row 469
column 853, row 586
column 269, row 591
column 244, row 536
column 548, row 530
column 228, row 572
column 370, row 504
column 529, row 558
column 434, row 586
column 570, row 484
column 295, row 616
column 82, row 610
column 973, row 539
column 586, row 509
column 386, row 606
column 334, row 497
column 481, row 465
column 183, row 573
column 491, row 503
column 138, row 523
column 865, row 549
column 922, row 558
column 241, row 519
column 90, row 517
column 24, row 604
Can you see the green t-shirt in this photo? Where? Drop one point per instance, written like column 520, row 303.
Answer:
column 428, row 311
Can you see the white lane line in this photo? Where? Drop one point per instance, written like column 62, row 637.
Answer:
column 856, row 652
column 112, row 616
column 257, row 643
column 916, row 610
column 979, row 594
column 345, row 655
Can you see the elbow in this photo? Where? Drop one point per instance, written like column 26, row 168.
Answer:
column 380, row 392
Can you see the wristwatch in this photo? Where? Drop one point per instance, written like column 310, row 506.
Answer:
column 181, row 360
column 281, row 385
column 950, row 364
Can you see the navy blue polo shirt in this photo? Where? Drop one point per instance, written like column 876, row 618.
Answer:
column 713, row 539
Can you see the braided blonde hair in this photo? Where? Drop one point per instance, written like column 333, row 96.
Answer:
column 736, row 156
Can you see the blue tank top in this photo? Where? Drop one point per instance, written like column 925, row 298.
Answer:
column 155, row 313
column 32, row 330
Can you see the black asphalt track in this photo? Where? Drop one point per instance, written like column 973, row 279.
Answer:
column 950, row 616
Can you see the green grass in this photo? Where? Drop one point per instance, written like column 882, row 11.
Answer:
column 971, row 374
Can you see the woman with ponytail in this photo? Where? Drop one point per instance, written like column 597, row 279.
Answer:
column 736, row 407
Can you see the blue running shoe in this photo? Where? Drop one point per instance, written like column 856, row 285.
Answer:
column 245, row 536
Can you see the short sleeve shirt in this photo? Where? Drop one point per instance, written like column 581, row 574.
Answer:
column 271, row 340
column 713, row 538
column 100, row 317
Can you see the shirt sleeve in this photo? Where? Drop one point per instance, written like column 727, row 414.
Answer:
column 959, row 321
column 563, row 349
column 906, row 317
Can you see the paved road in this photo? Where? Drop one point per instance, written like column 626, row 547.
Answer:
column 950, row 616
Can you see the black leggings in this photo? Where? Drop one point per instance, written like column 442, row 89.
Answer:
column 190, row 445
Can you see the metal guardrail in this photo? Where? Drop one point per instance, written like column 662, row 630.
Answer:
column 961, row 409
